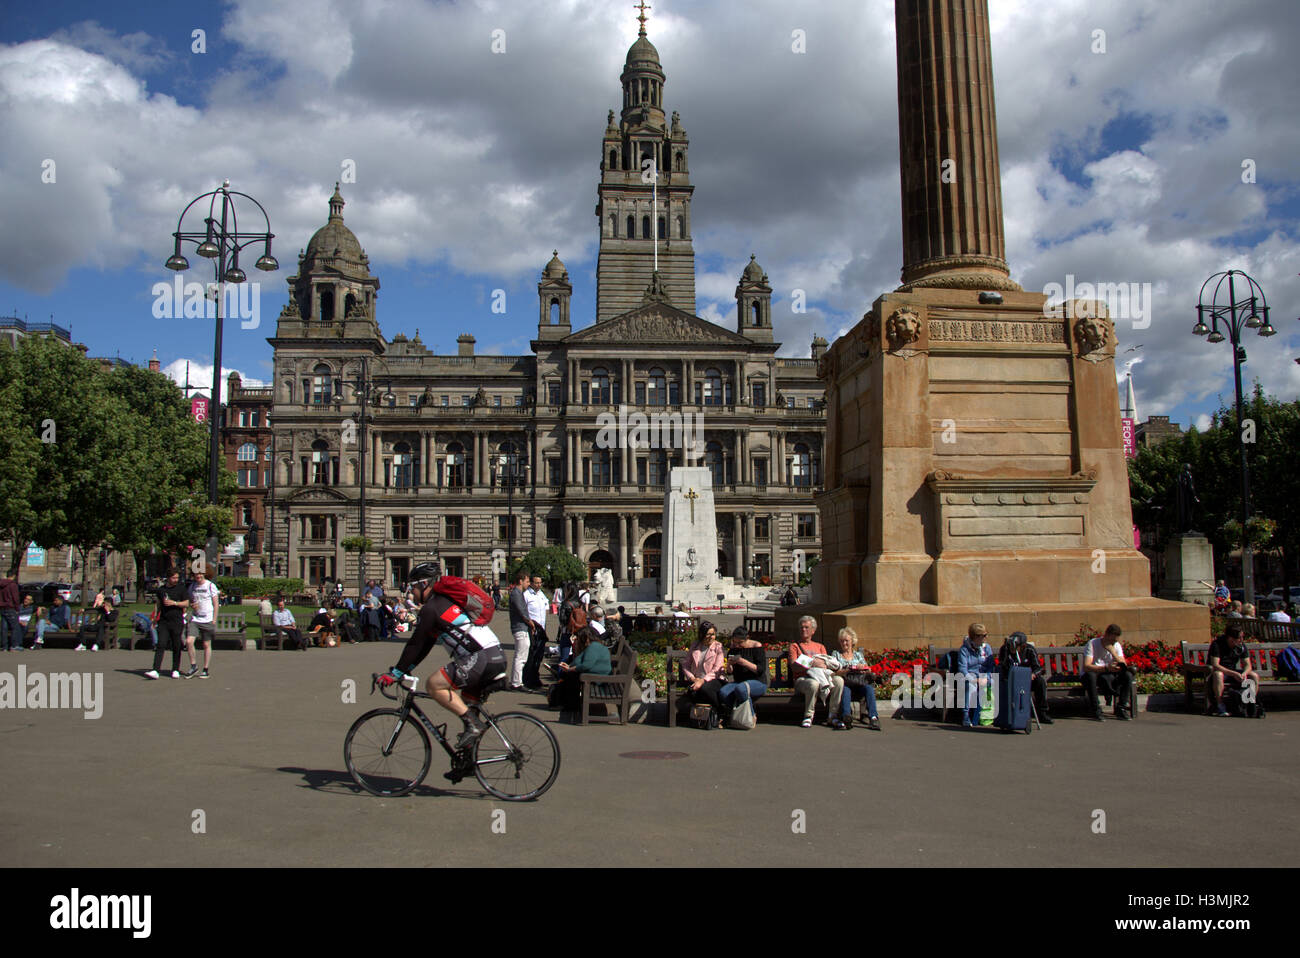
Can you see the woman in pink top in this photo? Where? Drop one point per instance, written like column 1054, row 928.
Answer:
column 704, row 666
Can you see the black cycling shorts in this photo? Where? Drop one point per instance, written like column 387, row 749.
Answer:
column 469, row 673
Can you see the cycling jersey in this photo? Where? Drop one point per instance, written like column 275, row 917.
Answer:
column 442, row 621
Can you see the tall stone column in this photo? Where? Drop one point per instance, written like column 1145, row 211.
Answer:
column 948, row 147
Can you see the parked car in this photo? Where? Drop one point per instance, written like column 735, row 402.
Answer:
column 37, row 591
column 71, row 593
column 1276, row 594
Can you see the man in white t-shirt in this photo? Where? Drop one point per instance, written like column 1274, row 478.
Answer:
column 1279, row 615
column 538, row 603
column 204, row 602
column 1104, row 668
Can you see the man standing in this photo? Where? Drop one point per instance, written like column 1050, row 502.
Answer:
column 203, row 623
column 537, row 603
column 521, row 628
column 173, row 598
column 1104, row 667
column 9, row 602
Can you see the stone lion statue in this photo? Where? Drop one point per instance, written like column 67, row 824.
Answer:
column 902, row 328
column 603, row 581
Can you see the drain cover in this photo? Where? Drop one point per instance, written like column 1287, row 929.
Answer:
column 653, row 755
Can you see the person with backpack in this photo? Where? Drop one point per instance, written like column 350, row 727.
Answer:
column 573, row 616
column 1230, row 669
column 454, row 612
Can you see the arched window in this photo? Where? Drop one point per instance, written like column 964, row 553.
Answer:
column 713, row 462
column 322, row 385
column 712, row 387
column 245, row 514
column 600, row 392
column 326, row 304
column 456, row 473
column 555, row 312
column 663, row 228
column 320, row 462
column 403, row 466
column 631, row 227
column 267, row 454
column 509, row 465
column 247, row 452
column 349, row 301
column 801, row 466
column 679, row 162
column 656, row 393
column 613, row 159
column 645, row 227
column 613, row 225
column 681, row 228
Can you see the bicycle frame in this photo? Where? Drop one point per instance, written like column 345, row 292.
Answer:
column 409, row 705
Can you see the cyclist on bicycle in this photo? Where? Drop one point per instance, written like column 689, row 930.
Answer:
column 477, row 659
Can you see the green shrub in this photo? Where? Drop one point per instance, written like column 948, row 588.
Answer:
column 249, row 588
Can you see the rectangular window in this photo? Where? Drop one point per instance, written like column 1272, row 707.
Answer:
column 519, row 401
column 464, row 401
column 401, row 527
column 762, row 527
column 806, row 525
column 554, row 476
column 640, row 394
column 812, row 403
column 759, row 392
column 674, row 394
column 446, row 401
column 413, row 400
column 253, row 417
column 318, row 528
column 789, row 402
column 554, row 529
column 316, row 570
column 586, row 392
column 496, row 401
column 266, row 473
column 553, row 394
column 507, row 527
column 453, row 528
column 401, row 571
column 760, row 472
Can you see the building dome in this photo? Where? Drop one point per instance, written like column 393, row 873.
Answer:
column 753, row 272
column 642, row 52
column 555, row 269
column 334, row 235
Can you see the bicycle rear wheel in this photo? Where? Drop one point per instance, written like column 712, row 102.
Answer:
column 385, row 757
column 517, row 758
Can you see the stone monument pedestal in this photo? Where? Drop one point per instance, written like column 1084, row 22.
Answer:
column 1189, row 569
column 689, row 564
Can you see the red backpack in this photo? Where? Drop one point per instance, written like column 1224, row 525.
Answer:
column 473, row 601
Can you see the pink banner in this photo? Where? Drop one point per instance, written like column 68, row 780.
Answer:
column 1130, row 444
column 199, row 408
column 1137, row 538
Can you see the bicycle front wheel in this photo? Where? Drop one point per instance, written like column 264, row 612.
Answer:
column 385, row 755
column 517, row 758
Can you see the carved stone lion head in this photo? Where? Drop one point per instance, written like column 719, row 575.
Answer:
column 903, row 328
column 1091, row 333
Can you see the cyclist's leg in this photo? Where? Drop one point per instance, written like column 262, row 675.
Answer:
column 442, row 691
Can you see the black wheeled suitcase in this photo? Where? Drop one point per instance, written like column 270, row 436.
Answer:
column 1015, row 700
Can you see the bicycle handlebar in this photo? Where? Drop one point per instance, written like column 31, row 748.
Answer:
column 389, row 691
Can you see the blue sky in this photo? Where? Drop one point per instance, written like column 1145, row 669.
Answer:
column 1119, row 165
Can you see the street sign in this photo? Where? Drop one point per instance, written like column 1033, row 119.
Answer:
column 35, row 555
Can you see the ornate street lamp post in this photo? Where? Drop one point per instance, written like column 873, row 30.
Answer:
column 364, row 392
column 221, row 240
column 1245, row 308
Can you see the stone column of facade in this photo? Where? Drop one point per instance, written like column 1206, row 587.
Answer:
column 947, row 129
column 749, row 545
column 746, row 467
column 580, row 534
column 376, row 467
column 568, row 533
column 624, row 553
column 737, row 547
column 736, row 465
column 778, row 453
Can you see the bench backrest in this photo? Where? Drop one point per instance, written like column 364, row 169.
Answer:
column 1261, row 630
column 231, row 621
column 758, row 625
column 778, row 668
column 1263, row 655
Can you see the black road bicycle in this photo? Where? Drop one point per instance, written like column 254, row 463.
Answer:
column 388, row 753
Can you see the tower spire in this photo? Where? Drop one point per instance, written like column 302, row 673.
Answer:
column 641, row 16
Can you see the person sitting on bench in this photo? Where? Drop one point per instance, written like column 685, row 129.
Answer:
column 1104, row 668
column 589, row 655
column 282, row 618
column 1018, row 650
column 1230, row 670
column 974, row 658
column 322, row 628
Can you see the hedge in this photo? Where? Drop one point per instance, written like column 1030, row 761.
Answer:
column 258, row 587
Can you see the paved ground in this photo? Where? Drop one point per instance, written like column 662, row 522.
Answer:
column 258, row 748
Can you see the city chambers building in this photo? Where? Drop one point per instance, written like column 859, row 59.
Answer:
column 470, row 459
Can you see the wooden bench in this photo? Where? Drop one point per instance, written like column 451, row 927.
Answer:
column 1064, row 671
column 761, row 627
column 1263, row 631
column 231, row 627
column 1263, row 657
column 614, row 691
column 781, row 695
column 273, row 633
column 80, row 626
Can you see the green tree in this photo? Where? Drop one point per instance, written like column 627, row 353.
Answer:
column 554, row 564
